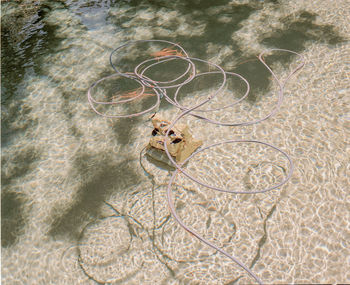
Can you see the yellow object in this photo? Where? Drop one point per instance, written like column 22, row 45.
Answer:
column 180, row 142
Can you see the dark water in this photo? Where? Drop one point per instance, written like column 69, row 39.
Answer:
column 28, row 40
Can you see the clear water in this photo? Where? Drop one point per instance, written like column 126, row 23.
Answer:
column 78, row 203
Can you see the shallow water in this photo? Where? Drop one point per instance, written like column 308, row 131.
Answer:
column 79, row 204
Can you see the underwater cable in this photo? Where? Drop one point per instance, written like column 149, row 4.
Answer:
column 160, row 90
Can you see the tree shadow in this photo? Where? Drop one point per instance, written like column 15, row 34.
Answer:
column 12, row 217
column 107, row 179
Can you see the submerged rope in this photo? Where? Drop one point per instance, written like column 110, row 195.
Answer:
column 160, row 87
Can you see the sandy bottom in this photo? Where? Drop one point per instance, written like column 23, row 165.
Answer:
column 96, row 211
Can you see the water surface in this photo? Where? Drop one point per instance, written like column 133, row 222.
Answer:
column 79, row 205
